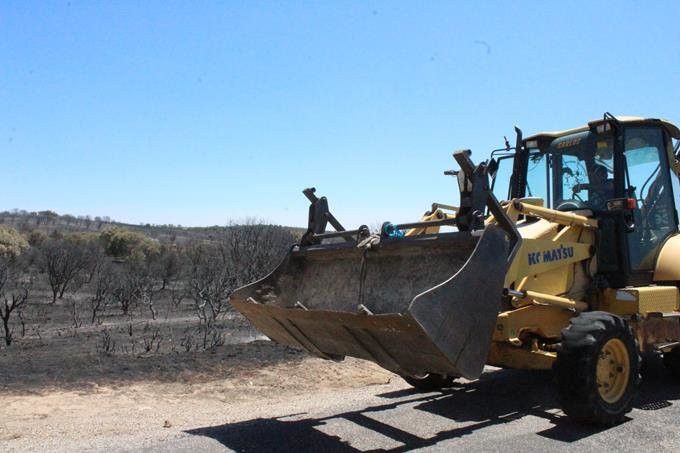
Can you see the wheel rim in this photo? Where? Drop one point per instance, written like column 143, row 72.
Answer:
column 613, row 370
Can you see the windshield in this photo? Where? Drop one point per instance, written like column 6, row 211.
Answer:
column 583, row 164
column 574, row 172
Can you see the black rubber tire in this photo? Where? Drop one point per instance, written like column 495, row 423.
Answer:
column 671, row 361
column 576, row 368
column 429, row 382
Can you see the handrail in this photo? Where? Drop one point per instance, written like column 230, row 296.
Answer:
column 563, row 218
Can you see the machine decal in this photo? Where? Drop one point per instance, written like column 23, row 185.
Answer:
column 546, row 256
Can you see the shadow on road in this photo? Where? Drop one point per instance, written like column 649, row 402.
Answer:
column 498, row 397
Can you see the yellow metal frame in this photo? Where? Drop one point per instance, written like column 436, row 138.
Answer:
column 508, row 356
column 667, row 267
column 547, row 284
column 547, row 280
column 640, row 300
column 546, row 321
column 436, row 214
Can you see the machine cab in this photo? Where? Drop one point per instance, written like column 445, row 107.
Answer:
column 622, row 171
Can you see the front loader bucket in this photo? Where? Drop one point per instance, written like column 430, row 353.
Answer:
column 413, row 305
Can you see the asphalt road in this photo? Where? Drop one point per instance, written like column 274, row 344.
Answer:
column 505, row 410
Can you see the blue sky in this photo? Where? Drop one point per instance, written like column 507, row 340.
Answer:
column 196, row 113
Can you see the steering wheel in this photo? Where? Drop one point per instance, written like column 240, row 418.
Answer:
column 572, row 205
column 580, row 187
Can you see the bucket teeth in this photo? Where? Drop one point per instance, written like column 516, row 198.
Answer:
column 363, row 309
column 300, row 305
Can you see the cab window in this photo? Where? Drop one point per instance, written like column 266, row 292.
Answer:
column 537, row 177
column 648, row 182
column 501, row 180
column 583, row 171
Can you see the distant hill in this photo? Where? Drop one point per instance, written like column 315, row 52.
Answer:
column 49, row 222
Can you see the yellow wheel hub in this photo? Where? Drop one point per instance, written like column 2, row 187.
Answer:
column 613, row 370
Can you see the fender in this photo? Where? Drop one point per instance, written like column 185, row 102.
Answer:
column 668, row 263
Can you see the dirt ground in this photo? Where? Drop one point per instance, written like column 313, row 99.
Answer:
column 248, row 375
column 60, row 389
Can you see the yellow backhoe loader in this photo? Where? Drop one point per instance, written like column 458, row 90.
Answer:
column 576, row 270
